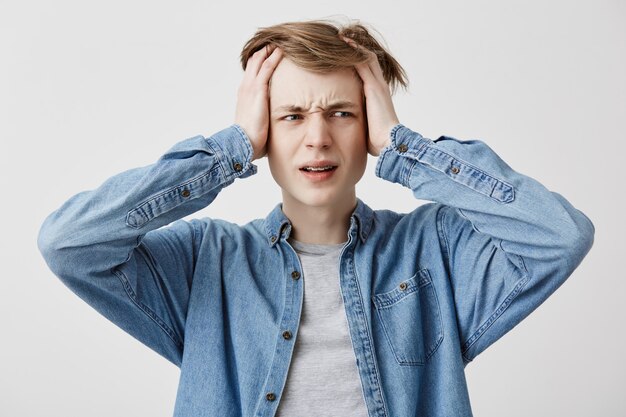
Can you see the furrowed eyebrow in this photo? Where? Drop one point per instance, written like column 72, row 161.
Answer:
column 290, row 108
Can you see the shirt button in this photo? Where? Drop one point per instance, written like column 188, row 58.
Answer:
column 270, row 396
column 455, row 170
column 295, row 275
column 287, row 334
column 273, row 239
column 185, row 193
column 403, row 286
column 402, row 147
column 237, row 166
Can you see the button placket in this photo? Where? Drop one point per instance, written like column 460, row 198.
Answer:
column 279, row 367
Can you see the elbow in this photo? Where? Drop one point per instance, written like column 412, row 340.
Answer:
column 46, row 243
column 586, row 234
column 581, row 241
column 49, row 243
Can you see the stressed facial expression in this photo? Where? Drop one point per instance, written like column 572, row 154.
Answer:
column 317, row 121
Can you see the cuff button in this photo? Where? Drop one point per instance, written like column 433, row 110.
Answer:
column 237, row 166
column 185, row 193
column 455, row 170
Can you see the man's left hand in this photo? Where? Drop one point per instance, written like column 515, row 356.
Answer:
column 381, row 115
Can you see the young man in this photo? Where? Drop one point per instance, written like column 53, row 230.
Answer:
column 324, row 307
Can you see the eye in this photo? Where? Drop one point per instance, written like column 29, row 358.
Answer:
column 290, row 115
column 346, row 114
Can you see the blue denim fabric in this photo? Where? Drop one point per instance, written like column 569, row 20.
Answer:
column 425, row 292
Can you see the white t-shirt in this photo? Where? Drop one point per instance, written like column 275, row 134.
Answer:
column 323, row 379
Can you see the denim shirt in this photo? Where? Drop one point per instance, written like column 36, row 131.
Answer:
column 425, row 292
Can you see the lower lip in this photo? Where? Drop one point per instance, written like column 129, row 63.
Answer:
column 320, row 175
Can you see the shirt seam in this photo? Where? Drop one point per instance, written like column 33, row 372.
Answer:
column 369, row 338
column 478, row 333
column 151, row 314
column 219, row 156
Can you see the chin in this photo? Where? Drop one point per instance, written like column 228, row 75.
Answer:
column 317, row 199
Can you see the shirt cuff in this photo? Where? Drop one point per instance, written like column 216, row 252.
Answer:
column 234, row 152
column 396, row 161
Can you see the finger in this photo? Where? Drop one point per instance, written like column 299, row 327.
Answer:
column 374, row 65
column 269, row 65
column 372, row 62
column 256, row 61
column 363, row 68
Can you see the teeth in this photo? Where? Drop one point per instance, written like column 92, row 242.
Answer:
column 318, row 168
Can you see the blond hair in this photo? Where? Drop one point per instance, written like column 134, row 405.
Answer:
column 316, row 45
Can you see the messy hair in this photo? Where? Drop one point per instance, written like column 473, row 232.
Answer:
column 315, row 45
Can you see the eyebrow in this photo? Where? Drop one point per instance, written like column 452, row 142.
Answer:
column 344, row 104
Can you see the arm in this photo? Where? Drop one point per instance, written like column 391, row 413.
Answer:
column 110, row 246
column 508, row 241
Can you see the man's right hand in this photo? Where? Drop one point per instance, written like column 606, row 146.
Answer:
column 252, row 112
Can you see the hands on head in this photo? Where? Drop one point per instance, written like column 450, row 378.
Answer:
column 252, row 112
column 381, row 114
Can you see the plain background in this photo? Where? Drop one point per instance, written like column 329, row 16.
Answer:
column 89, row 89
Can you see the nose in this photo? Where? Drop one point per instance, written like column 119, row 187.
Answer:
column 317, row 131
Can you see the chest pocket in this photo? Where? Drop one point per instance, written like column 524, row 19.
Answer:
column 411, row 319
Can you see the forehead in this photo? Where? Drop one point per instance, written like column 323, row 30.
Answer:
column 293, row 85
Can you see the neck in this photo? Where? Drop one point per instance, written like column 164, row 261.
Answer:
column 324, row 224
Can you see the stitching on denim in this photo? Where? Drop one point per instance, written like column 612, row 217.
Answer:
column 393, row 133
column 442, row 226
column 247, row 143
column 432, row 351
column 140, row 207
column 386, row 301
column 497, row 314
column 394, row 297
column 388, row 337
column 423, row 147
column 483, row 328
column 194, row 241
column 381, row 161
column 219, row 156
column 436, row 149
column 408, row 174
column 151, row 314
column 367, row 330
column 496, row 180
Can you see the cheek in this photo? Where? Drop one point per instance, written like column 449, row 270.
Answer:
column 278, row 152
column 363, row 133
column 273, row 139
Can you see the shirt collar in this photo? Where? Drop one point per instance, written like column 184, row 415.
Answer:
column 276, row 220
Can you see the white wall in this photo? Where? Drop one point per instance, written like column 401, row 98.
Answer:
column 89, row 89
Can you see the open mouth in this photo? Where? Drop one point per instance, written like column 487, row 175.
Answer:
column 318, row 174
column 320, row 169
